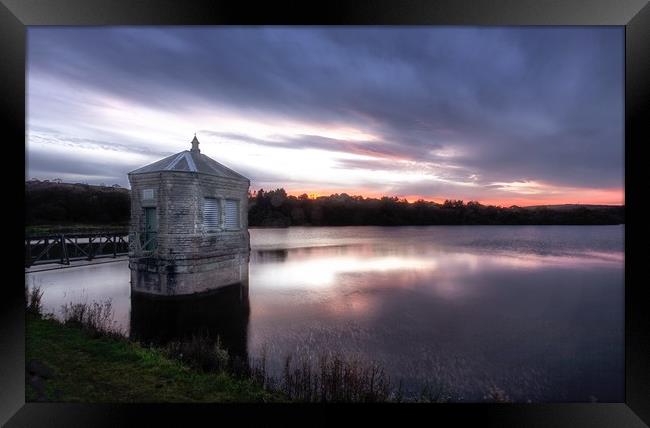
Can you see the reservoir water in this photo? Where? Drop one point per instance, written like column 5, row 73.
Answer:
column 534, row 311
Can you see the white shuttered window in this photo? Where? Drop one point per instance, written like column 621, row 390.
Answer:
column 211, row 213
column 232, row 214
column 147, row 194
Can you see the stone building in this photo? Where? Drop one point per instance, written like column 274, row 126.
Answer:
column 189, row 225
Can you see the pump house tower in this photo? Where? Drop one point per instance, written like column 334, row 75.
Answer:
column 189, row 225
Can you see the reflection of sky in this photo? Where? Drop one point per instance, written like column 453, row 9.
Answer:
column 313, row 261
column 324, row 271
column 87, row 284
column 328, row 271
column 538, row 311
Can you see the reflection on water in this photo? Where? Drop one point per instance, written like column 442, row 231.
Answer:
column 85, row 284
column 220, row 313
column 534, row 311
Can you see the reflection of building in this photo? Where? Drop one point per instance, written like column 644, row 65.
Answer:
column 270, row 256
column 223, row 312
column 189, row 225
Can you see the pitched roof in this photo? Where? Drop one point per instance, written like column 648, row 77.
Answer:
column 190, row 161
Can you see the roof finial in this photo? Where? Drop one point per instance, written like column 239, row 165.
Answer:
column 195, row 144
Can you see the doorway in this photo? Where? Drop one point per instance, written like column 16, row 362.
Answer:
column 150, row 229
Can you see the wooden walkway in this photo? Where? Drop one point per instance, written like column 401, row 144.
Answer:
column 63, row 248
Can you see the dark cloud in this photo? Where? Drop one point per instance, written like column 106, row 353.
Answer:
column 379, row 149
column 514, row 103
column 54, row 137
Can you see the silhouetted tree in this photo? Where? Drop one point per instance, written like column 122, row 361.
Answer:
column 65, row 203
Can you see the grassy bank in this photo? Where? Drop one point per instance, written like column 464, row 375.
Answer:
column 86, row 358
column 73, row 365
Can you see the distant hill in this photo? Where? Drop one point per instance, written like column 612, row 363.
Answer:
column 568, row 207
column 56, row 203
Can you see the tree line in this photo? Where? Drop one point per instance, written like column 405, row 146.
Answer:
column 65, row 203
column 53, row 202
column 277, row 209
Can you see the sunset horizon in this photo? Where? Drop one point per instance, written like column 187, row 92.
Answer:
column 441, row 199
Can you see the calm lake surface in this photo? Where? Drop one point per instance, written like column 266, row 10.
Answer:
column 536, row 311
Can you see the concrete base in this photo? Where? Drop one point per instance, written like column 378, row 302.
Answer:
column 186, row 276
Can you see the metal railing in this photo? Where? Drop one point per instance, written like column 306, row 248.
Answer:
column 63, row 248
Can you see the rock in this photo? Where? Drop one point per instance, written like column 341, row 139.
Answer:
column 40, row 369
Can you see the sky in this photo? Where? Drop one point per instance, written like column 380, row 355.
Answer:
column 500, row 115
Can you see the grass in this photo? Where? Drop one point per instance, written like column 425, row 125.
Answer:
column 91, row 368
column 334, row 379
column 200, row 352
column 96, row 318
column 34, row 297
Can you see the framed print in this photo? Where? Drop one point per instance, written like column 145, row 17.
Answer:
column 429, row 209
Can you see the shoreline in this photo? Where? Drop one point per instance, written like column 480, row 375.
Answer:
column 67, row 364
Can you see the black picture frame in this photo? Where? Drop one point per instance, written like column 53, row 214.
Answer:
column 15, row 15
